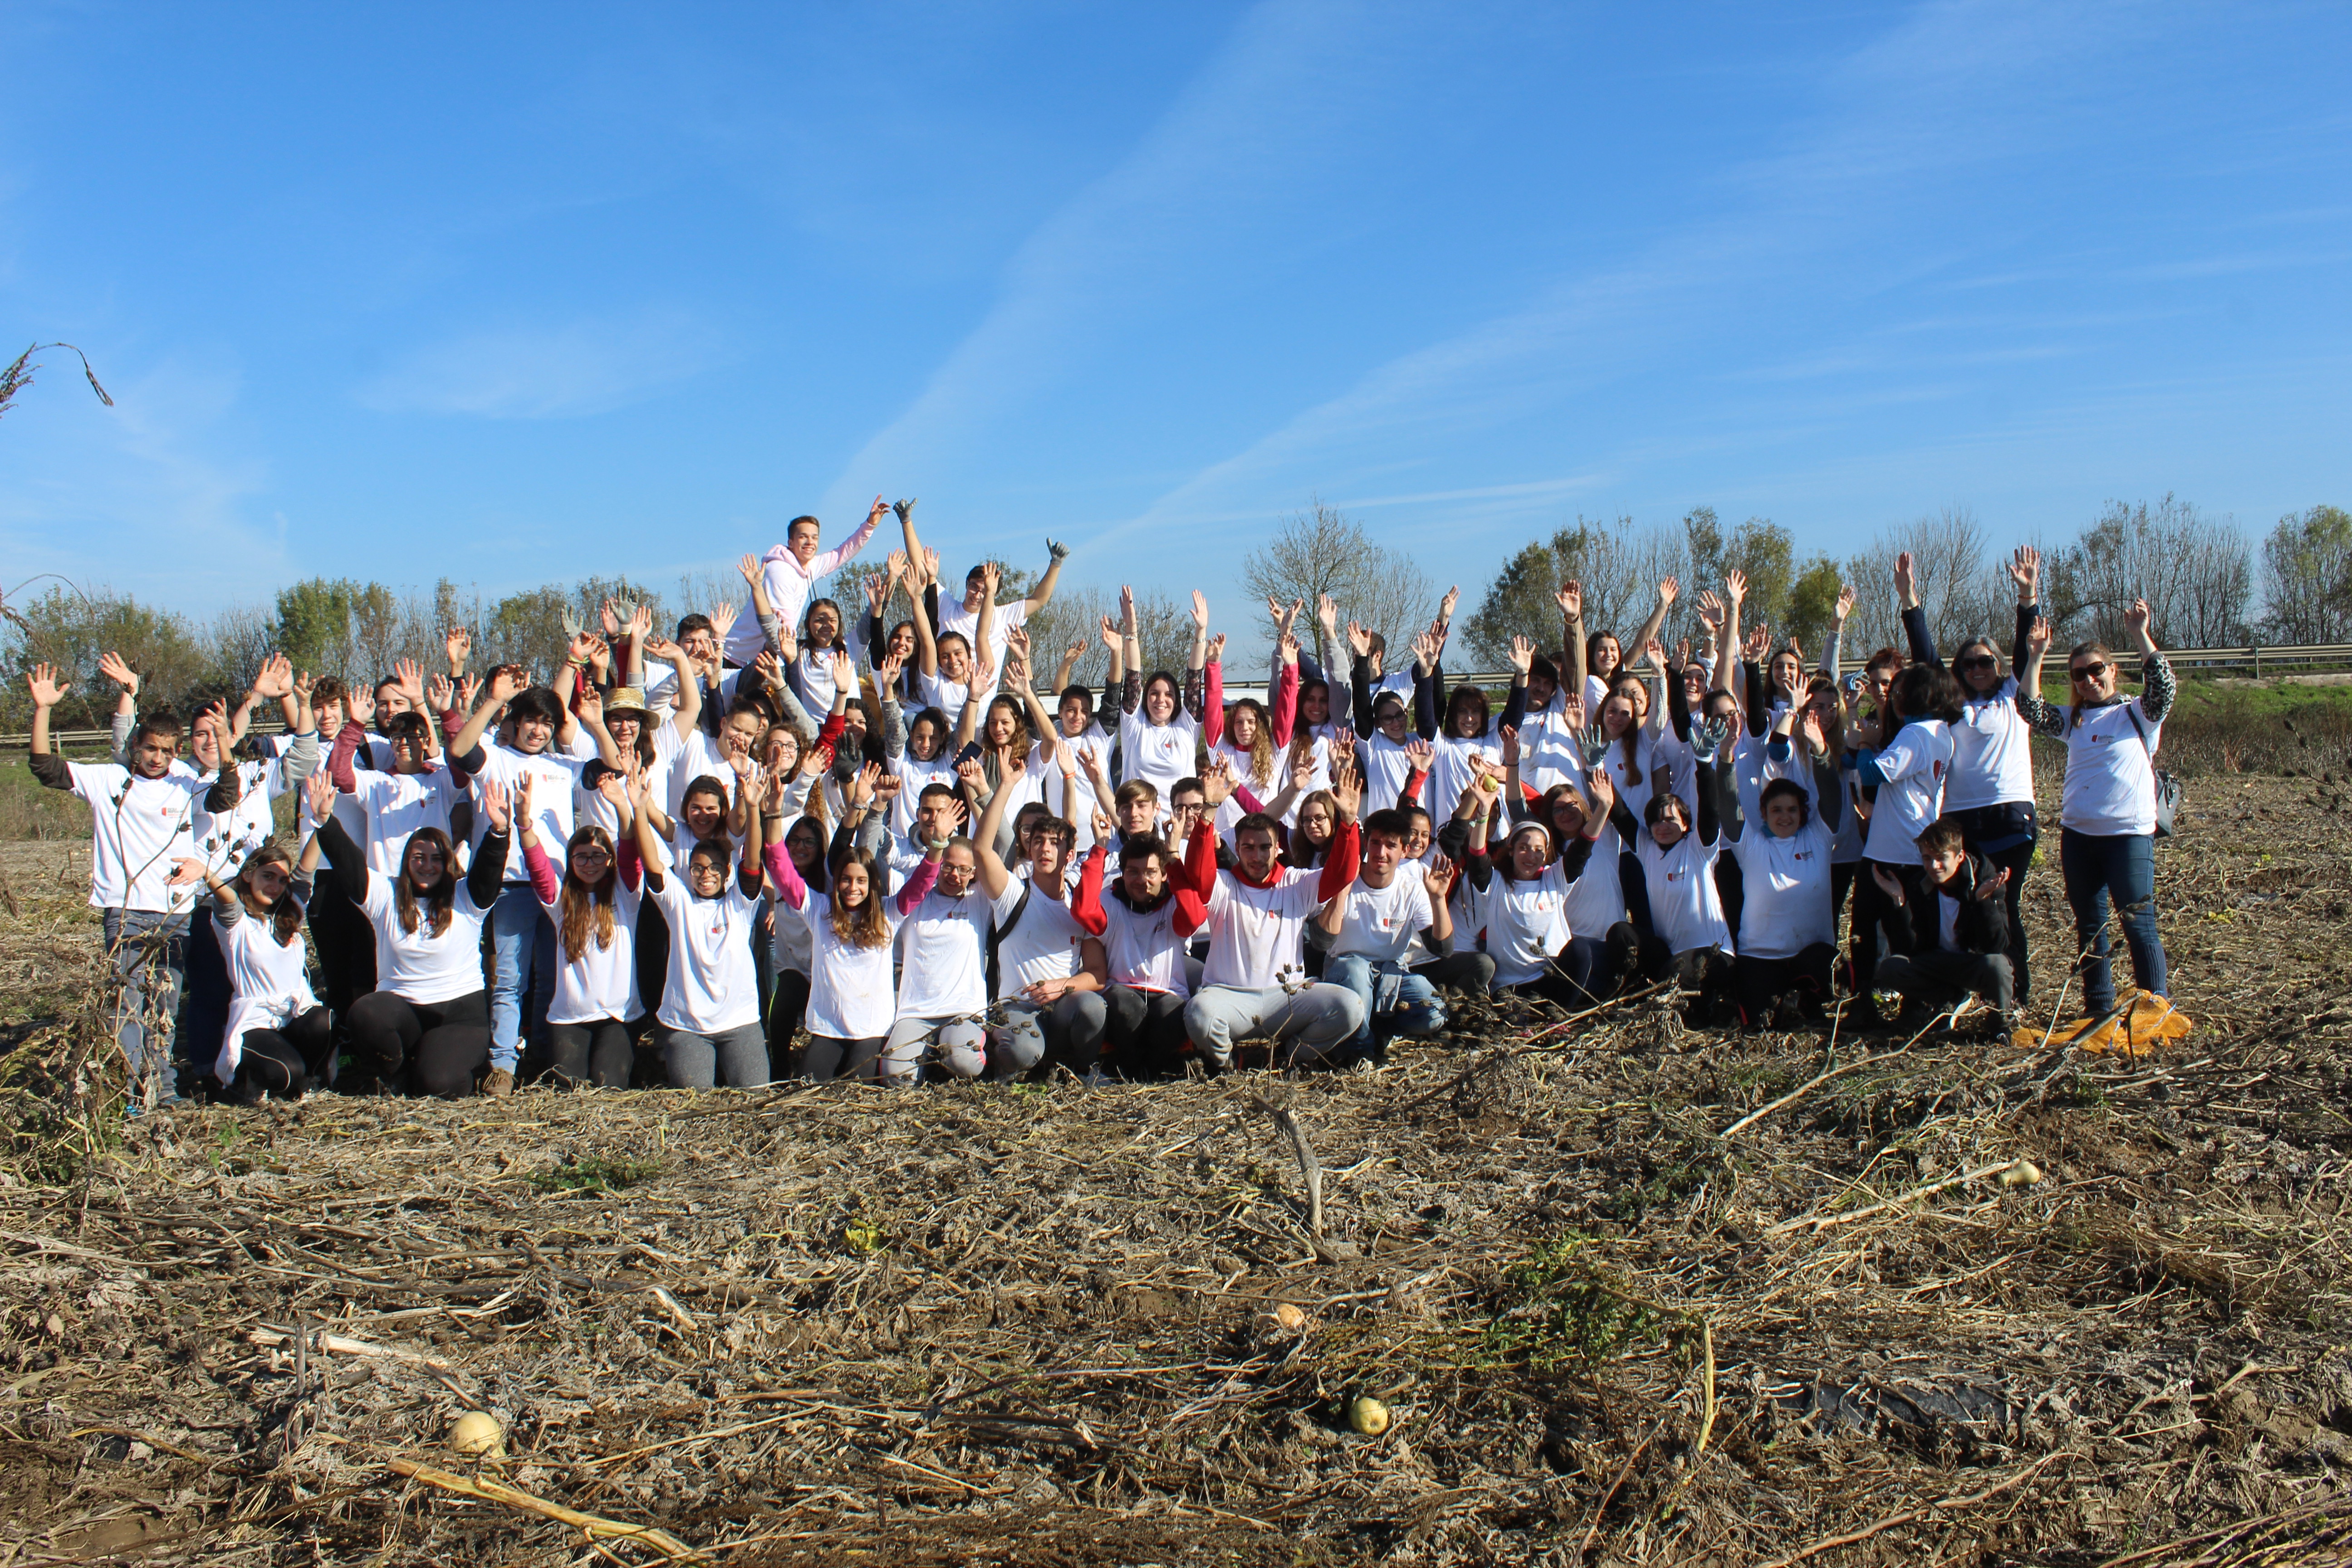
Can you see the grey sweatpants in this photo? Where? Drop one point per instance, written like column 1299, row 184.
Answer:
column 738, row 1056
column 1305, row 1027
column 1940, row 978
column 1070, row 1027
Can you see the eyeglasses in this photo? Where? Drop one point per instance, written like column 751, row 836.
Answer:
column 585, row 853
column 1976, row 661
column 2090, row 671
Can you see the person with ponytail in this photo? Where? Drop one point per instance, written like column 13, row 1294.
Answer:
column 594, row 905
column 279, row 1040
column 2108, row 811
column 427, row 1022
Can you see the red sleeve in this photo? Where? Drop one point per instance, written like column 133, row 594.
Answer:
column 1412, row 789
column 1086, row 907
column 1212, row 703
column 789, row 886
column 339, row 761
column 927, row 871
column 1339, row 865
column 830, row 731
column 1192, row 913
column 1201, row 859
column 543, row 880
column 626, row 864
column 1248, row 797
column 452, row 721
column 1286, row 703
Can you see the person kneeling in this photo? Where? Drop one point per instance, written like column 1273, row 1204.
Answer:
column 1971, row 925
column 1373, row 923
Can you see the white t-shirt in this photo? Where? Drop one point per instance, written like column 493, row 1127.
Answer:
column 1449, row 772
column 2110, row 786
column 1254, row 932
column 1785, row 904
column 418, row 964
column 394, row 806
column 1044, row 945
column 945, row 943
column 139, row 827
column 1914, row 763
column 850, row 995
column 712, row 985
column 226, row 841
column 554, row 779
column 1525, row 921
column 695, row 756
column 965, row 623
column 1992, row 756
column 1380, row 923
column 913, row 776
column 1386, row 768
column 602, row 983
column 1550, row 751
column 1143, row 950
column 268, row 982
column 951, row 696
column 1162, row 753
column 1685, row 909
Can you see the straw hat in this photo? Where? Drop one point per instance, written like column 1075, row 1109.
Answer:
column 628, row 699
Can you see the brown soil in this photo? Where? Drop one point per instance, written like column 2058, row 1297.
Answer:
column 1042, row 1326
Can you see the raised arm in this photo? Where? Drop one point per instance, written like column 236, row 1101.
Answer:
column 1286, row 690
column 1043, row 593
column 1668, row 588
column 1571, row 600
column 47, row 690
column 465, row 752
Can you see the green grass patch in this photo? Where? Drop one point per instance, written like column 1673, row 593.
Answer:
column 1563, row 1308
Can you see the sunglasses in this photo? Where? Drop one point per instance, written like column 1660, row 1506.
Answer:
column 2090, row 671
column 1975, row 661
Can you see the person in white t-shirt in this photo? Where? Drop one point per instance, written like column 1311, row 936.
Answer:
column 979, row 586
column 143, row 823
column 1596, row 661
column 1379, row 925
column 943, row 976
column 593, row 905
column 1677, row 846
column 1158, row 736
column 1908, row 767
column 1252, row 986
column 2107, row 812
column 1051, row 970
column 955, row 669
column 427, row 1022
column 1787, row 940
column 710, row 1012
column 278, row 1039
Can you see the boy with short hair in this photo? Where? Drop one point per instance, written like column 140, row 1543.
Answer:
column 1374, row 923
column 1970, row 922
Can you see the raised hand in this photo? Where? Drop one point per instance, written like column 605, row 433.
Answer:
column 1797, row 649
column 1302, row 770
column 590, row 702
column 768, row 668
column 1287, row 647
column 2136, row 618
column 1656, row 653
column 974, row 777
column 845, row 670
column 319, row 794
column 1571, row 600
column 2025, row 571
column 858, row 793
column 1348, row 789
column 930, row 565
column 722, row 621
column 358, row 703
column 1425, row 651
column 1889, row 882
column 410, row 679
column 991, row 574
column 1905, row 580
column 1127, row 605
column 495, row 806
column 1571, row 707
column 1112, row 638
column 885, row 674
column 615, row 788
column 879, row 585
column 275, row 679
column 523, row 786
column 1668, row 588
column 1445, row 605
column 1710, row 610
column 1523, row 657
column 1760, row 642
column 1103, row 825
column 1603, row 791
column 185, row 871
column 111, row 665
column 608, row 615
column 885, row 789
column 1510, row 738
column 1844, row 602
column 1327, row 612
column 1343, row 749
column 466, row 688
column 1199, row 608
column 1439, row 877
column 1808, row 726
column 2037, row 638
column 458, row 643
column 1359, row 640
column 1217, row 648
column 1420, row 754
column 504, row 681
column 1990, row 888
column 641, row 620
column 750, row 569
column 1217, row 782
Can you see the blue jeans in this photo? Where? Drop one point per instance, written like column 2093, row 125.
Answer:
column 2124, row 864
column 147, row 949
column 1417, row 1009
column 522, row 947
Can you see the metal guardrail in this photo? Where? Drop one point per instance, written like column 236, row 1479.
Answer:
column 2252, row 658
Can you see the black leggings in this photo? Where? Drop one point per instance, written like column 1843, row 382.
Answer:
column 442, row 1044
column 787, row 1005
column 2016, row 858
column 1761, row 981
column 1145, row 1032
column 1468, row 972
column 602, row 1050
column 829, row 1056
column 1874, row 912
column 284, row 1062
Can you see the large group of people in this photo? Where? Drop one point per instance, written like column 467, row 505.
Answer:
column 816, row 841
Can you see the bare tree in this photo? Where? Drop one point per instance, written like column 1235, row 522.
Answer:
column 2307, row 577
column 1962, row 590
column 2195, row 571
column 1325, row 552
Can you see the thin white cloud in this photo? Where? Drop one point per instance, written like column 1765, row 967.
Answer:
column 547, row 373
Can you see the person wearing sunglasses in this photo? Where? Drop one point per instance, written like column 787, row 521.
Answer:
column 1989, row 793
column 2107, row 814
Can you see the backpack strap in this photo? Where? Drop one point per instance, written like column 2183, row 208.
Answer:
column 2131, row 712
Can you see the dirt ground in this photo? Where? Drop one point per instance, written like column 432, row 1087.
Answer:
column 1626, row 1292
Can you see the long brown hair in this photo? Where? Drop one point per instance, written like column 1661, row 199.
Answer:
column 440, row 896
column 1261, row 750
column 865, row 926
column 581, row 903
column 2074, row 711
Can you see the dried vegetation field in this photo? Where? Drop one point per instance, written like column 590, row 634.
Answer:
column 1628, row 1294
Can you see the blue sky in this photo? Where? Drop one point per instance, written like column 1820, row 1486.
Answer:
column 513, row 293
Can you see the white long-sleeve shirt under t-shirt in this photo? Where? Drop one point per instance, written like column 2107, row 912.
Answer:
column 789, row 586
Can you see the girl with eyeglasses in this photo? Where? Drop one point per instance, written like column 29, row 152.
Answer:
column 2107, row 814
